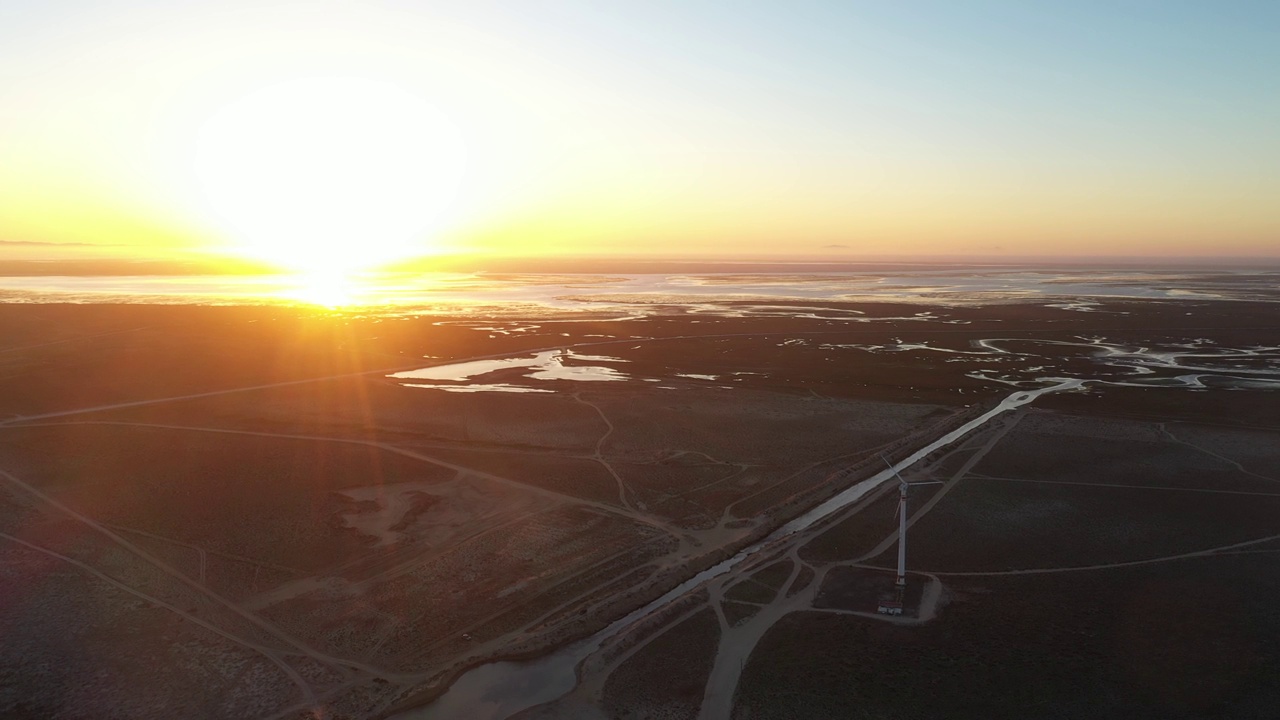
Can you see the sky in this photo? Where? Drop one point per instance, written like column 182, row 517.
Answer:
column 669, row 128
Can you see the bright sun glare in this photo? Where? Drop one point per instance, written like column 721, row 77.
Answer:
column 326, row 289
column 330, row 175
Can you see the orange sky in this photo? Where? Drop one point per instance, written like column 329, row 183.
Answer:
column 331, row 134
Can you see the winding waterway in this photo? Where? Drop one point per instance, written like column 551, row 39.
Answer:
column 498, row 690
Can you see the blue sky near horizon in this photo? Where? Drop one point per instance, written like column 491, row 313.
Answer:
column 920, row 128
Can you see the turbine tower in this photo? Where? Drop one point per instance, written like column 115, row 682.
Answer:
column 901, row 582
column 895, row 606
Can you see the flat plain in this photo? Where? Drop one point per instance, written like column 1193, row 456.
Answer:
column 253, row 512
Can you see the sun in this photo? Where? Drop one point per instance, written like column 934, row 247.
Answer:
column 330, row 175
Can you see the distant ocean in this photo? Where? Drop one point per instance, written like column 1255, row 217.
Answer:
column 604, row 292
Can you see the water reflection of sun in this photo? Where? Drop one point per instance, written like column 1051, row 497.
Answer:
column 330, row 290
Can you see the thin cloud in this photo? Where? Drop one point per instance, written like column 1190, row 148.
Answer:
column 53, row 244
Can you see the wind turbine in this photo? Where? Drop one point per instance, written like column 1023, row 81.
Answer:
column 895, row 606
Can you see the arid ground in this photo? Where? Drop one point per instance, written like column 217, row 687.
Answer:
column 274, row 512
